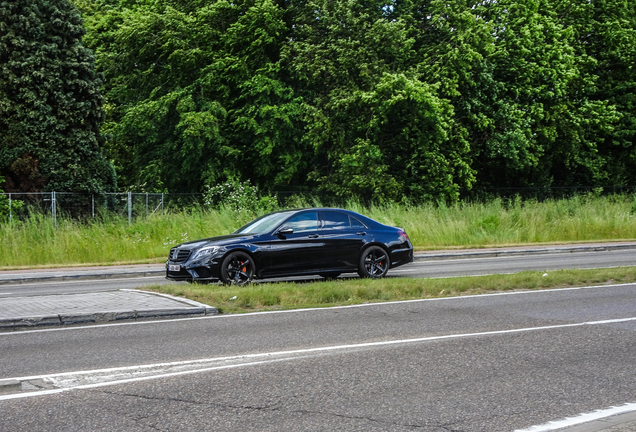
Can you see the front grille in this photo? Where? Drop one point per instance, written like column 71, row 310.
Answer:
column 179, row 255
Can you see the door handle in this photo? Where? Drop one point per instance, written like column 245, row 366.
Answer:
column 313, row 236
column 361, row 233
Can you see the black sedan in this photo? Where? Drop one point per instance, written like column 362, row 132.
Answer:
column 318, row 241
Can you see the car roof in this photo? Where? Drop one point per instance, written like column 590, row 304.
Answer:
column 363, row 218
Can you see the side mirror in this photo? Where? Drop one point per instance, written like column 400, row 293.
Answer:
column 284, row 231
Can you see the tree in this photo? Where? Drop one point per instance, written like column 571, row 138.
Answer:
column 195, row 94
column 378, row 131
column 369, row 99
column 50, row 101
column 605, row 94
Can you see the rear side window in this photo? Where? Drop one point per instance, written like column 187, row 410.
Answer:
column 355, row 223
column 337, row 220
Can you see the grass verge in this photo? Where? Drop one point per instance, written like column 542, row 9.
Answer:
column 36, row 242
column 314, row 294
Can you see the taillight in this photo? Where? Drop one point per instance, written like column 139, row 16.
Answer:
column 402, row 233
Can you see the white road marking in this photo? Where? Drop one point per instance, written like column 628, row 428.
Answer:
column 581, row 418
column 111, row 376
column 406, row 271
column 244, row 315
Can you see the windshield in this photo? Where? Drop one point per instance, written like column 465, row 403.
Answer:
column 263, row 224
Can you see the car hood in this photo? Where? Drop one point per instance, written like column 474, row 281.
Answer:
column 224, row 240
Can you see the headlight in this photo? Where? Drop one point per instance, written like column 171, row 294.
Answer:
column 207, row 252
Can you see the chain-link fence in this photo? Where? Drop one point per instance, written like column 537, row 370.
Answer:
column 543, row 193
column 130, row 205
column 127, row 205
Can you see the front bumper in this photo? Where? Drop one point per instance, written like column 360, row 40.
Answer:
column 208, row 272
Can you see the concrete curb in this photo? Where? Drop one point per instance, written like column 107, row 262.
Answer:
column 10, row 386
column 190, row 308
column 107, row 273
column 21, row 278
column 419, row 256
column 103, row 317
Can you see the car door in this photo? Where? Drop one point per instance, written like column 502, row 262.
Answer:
column 300, row 251
column 343, row 236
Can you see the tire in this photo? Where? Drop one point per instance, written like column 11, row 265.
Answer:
column 374, row 263
column 329, row 275
column 237, row 269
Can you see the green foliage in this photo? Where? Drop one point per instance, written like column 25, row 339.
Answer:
column 240, row 197
column 276, row 296
column 9, row 207
column 195, row 94
column 604, row 43
column 379, row 131
column 383, row 102
column 50, row 102
column 109, row 239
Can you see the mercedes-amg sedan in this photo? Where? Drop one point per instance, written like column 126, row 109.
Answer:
column 316, row 241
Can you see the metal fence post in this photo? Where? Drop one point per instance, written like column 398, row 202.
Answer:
column 54, row 210
column 161, row 203
column 10, row 215
column 146, row 205
column 129, row 208
column 93, row 205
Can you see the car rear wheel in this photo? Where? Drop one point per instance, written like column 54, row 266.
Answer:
column 237, row 269
column 374, row 263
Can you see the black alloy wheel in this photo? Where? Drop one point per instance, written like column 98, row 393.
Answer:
column 237, row 269
column 374, row 263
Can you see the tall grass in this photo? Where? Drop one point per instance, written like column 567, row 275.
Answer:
column 109, row 239
column 514, row 222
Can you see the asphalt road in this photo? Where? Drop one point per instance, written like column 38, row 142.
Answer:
column 434, row 268
column 486, row 363
column 501, row 362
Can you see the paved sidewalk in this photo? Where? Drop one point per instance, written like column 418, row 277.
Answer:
column 99, row 307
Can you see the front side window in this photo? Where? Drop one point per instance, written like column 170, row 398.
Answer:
column 303, row 222
column 263, row 224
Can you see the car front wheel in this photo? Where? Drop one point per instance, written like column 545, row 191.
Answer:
column 374, row 263
column 237, row 269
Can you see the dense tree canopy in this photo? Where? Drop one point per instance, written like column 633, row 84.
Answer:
column 384, row 100
column 50, row 101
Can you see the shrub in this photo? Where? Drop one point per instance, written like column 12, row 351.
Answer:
column 6, row 207
column 241, row 197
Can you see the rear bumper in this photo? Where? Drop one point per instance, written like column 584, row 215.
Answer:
column 401, row 256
